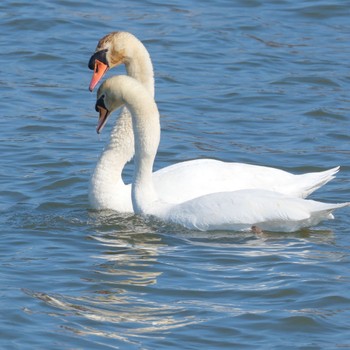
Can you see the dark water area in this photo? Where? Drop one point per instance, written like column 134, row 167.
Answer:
column 260, row 82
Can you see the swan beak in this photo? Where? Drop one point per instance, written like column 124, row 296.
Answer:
column 102, row 119
column 99, row 70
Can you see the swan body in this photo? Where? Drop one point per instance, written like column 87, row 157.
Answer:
column 243, row 209
column 182, row 181
column 229, row 210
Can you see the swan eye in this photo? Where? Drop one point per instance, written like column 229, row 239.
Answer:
column 100, row 103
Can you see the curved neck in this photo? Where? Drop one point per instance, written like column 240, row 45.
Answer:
column 118, row 152
column 140, row 67
column 146, row 127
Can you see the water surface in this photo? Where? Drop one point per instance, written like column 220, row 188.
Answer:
column 262, row 82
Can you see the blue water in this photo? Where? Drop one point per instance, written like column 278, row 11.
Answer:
column 262, row 82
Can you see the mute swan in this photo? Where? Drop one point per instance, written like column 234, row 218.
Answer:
column 233, row 210
column 182, row 181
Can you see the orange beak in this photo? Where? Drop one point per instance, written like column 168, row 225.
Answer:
column 99, row 71
column 102, row 119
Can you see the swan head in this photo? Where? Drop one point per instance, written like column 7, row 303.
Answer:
column 103, row 111
column 111, row 96
column 112, row 50
column 108, row 100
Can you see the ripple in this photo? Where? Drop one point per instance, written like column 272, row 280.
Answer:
column 134, row 315
column 252, row 81
column 326, row 113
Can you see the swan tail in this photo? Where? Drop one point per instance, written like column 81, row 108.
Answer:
column 328, row 209
column 313, row 181
column 325, row 213
column 321, row 212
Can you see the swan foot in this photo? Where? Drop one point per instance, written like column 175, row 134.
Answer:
column 256, row 229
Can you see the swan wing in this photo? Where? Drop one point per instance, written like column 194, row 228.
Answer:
column 190, row 179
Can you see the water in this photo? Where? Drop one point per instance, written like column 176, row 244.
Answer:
column 262, row 82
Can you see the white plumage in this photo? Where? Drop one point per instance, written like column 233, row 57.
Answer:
column 182, row 181
column 224, row 210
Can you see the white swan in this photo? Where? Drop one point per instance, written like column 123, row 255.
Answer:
column 179, row 182
column 234, row 210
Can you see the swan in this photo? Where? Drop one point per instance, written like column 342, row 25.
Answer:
column 229, row 210
column 182, row 181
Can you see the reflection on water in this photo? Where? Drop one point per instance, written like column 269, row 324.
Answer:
column 133, row 315
column 260, row 82
column 124, row 296
column 120, row 285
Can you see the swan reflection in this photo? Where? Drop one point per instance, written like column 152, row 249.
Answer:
column 120, row 298
column 144, row 279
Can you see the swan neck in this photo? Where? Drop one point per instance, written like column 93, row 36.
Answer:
column 143, row 193
column 122, row 137
column 119, row 150
column 140, row 67
column 146, row 127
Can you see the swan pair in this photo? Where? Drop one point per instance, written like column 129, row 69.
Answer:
column 201, row 194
